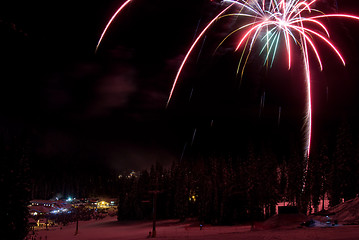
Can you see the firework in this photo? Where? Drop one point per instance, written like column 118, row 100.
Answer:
column 296, row 21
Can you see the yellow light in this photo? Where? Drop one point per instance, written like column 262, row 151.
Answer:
column 192, row 198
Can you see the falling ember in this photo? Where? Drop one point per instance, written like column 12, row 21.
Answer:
column 193, row 136
column 183, row 151
column 327, row 93
column 190, row 95
column 279, row 114
column 261, row 106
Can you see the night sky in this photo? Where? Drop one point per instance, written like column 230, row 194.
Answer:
column 110, row 107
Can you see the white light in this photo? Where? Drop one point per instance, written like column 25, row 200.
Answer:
column 55, row 211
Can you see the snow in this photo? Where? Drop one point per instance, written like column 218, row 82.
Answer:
column 279, row 227
column 346, row 212
column 110, row 229
column 282, row 221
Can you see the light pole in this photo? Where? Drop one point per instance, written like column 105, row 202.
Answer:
column 155, row 192
column 77, row 222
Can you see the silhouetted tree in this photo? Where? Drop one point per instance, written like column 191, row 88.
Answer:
column 14, row 185
column 343, row 182
column 181, row 191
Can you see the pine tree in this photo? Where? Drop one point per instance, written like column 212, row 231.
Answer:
column 343, row 182
column 325, row 169
column 14, row 185
column 181, row 191
column 295, row 176
column 269, row 181
column 319, row 168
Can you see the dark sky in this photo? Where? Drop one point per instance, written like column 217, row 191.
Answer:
column 110, row 107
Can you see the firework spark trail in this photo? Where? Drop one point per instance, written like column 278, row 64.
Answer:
column 190, row 50
column 110, row 21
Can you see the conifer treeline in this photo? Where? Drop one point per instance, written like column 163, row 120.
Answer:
column 227, row 188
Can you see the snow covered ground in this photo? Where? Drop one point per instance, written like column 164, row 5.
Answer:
column 109, row 229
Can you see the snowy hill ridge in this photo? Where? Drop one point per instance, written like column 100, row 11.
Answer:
column 346, row 212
